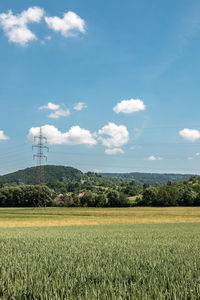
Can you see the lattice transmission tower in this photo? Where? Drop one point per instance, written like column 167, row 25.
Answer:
column 41, row 141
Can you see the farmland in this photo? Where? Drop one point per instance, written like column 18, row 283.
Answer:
column 100, row 253
column 156, row 261
column 41, row 217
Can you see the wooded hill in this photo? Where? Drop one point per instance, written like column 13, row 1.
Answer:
column 67, row 186
column 150, row 178
column 49, row 173
column 66, row 174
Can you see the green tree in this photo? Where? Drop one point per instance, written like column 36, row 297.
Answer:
column 101, row 200
column 149, row 196
column 189, row 198
column 113, row 198
column 88, row 199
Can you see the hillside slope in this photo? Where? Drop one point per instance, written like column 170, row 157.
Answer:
column 63, row 173
column 150, row 178
column 50, row 172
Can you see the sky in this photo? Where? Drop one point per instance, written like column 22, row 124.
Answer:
column 113, row 85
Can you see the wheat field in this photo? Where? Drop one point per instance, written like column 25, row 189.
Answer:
column 109, row 262
column 42, row 217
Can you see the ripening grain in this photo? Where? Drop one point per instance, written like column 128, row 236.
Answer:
column 43, row 217
column 101, row 262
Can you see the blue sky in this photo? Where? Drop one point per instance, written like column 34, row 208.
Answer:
column 114, row 85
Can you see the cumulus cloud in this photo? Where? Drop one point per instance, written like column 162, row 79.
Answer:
column 79, row 106
column 59, row 113
column 15, row 26
column 3, row 137
column 68, row 25
column 114, row 151
column 50, row 106
column 117, row 135
column 74, row 136
column 152, row 157
column 191, row 135
column 129, row 106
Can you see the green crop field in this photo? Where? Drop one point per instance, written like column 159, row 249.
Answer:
column 156, row 261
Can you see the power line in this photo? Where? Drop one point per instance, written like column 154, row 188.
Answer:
column 41, row 140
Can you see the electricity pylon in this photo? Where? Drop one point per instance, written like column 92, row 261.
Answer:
column 41, row 140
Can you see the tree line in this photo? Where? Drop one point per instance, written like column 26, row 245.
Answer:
column 86, row 194
column 183, row 193
column 33, row 195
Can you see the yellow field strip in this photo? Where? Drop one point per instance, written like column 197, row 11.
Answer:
column 43, row 217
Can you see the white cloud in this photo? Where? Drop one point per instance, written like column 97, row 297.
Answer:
column 152, row 157
column 15, row 26
column 3, row 137
column 129, row 106
column 190, row 134
column 74, row 136
column 114, row 151
column 68, row 25
column 59, row 113
column 118, row 135
column 46, row 38
column 50, row 106
column 80, row 106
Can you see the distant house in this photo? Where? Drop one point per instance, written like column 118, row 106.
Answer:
column 80, row 195
column 58, row 198
column 60, row 195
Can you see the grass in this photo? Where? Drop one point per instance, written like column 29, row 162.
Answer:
column 132, row 199
column 42, row 217
column 157, row 261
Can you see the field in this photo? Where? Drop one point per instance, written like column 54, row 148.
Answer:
column 101, row 262
column 96, row 216
column 121, row 261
